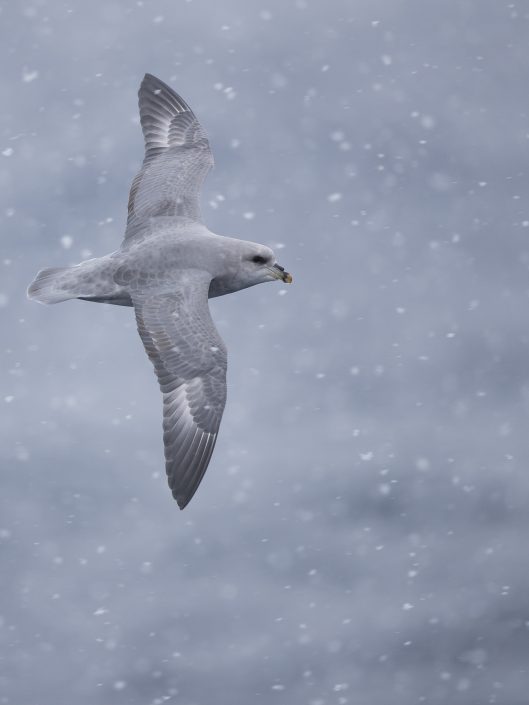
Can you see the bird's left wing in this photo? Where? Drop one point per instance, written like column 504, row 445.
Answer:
column 177, row 157
column 190, row 361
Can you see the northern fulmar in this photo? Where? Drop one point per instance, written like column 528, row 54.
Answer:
column 167, row 267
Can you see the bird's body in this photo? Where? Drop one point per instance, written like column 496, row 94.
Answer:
column 168, row 266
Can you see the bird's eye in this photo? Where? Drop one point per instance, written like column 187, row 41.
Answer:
column 258, row 259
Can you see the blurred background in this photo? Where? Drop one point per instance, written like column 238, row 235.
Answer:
column 361, row 534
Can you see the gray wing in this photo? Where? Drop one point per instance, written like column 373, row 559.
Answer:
column 190, row 361
column 177, row 157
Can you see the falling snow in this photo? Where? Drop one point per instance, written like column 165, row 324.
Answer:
column 358, row 537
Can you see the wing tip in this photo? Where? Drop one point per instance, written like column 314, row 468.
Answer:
column 152, row 87
column 184, row 491
column 182, row 502
column 151, row 81
column 150, row 78
column 183, row 495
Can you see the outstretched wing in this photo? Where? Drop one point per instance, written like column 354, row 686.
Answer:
column 177, row 157
column 190, row 361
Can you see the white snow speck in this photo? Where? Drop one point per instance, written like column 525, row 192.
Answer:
column 407, row 606
column 9, row 399
column 66, row 241
column 386, row 59
column 120, row 685
column 427, row 122
column 422, row 464
column 440, row 182
column 278, row 80
column 229, row 591
column 79, row 160
column 8, row 151
column 340, row 687
column 22, row 454
column 367, row 456
column 28, row 76
column 249, row 215
column 334, row 197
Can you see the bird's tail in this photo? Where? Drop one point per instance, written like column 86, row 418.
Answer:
column 54, row 285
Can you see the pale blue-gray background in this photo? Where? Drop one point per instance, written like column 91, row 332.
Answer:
column 361, row 536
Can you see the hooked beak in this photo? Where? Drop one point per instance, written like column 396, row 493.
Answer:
column 279, row 273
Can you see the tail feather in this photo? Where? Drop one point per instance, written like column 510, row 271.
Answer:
column 51, row 286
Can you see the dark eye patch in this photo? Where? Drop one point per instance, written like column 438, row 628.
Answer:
column 258, row 259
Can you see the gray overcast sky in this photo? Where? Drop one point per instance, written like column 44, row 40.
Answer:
column 360, row 536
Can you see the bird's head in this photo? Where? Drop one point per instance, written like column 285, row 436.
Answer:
column 258, row 265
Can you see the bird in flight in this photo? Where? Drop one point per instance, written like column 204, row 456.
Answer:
column 167, row 267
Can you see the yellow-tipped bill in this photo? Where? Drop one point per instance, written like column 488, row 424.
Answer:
column 279, row 273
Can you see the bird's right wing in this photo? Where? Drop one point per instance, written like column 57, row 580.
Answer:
column 177, row 157
column 190, row 361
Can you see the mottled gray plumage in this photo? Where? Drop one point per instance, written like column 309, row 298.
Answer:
column 177, row 157
column 167, row 267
